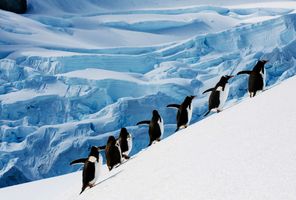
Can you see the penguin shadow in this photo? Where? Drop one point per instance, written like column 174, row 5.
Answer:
column 109, row 177
column 102, row 181
column 124, row 161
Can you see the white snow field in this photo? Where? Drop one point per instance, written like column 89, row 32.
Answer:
column 74, row 72
column 245, row 152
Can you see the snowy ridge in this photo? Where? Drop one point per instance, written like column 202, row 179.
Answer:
column 66, row 86
column 230, row 155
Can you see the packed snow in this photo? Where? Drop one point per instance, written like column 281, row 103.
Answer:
column 245, row 152
column 71, row 75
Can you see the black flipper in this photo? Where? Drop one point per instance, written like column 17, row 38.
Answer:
column 244, row 72
column 208, row 90
column 144, row 122
column 79, row 161
column 173, row 106
column 207, row 113
column 102, row 148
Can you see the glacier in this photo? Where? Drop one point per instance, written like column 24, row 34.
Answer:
column 70, row 78
column 221, row 157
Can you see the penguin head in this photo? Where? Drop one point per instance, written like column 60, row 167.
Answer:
column 224, row 80
column 227, row 77
column 111, row 140
column 123, row 133
column 264, row 62
column 259, row 67
column 187, row 101
column 155, row 115
column 94, row 151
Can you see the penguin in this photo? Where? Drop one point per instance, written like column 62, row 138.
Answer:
column 91, row 169
column 218, row 94
column 156, row 127
column 184, row 113
column 113, row 153
column 125, row 142
column 257, row 77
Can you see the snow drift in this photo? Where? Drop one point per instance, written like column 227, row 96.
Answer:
column 66, row 85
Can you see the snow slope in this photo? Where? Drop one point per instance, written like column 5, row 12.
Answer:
column 245, row 152
column 70, row 78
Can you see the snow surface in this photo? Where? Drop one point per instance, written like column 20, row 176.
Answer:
column 71, row 75
column 245, row 152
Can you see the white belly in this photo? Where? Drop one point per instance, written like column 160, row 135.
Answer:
column 130, row 144
column 161, row 126
column 189, row 113
column 264, row 79
column 98, row 169
column 223, row 96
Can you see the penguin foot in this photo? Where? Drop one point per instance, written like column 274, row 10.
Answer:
column 217, row 110
column 125, row 156
column 154, row 141
column 252, row 94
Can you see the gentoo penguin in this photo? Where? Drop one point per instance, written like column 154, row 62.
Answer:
column 91, row 168
column 218, row 95
column 156, row 127
column 125, row 142
column 256, row 78
column 184, row 113
column 113, row 153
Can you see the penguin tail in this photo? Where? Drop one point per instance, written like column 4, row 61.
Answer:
column 149, row 143
column 83, row 188
column 207, row 113
column 110, row 168
column 177, row 129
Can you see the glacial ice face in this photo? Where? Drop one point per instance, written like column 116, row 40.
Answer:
column 57, row 102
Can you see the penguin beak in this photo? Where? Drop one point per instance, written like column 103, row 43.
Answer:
column 229, row 77
column 192, row 97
